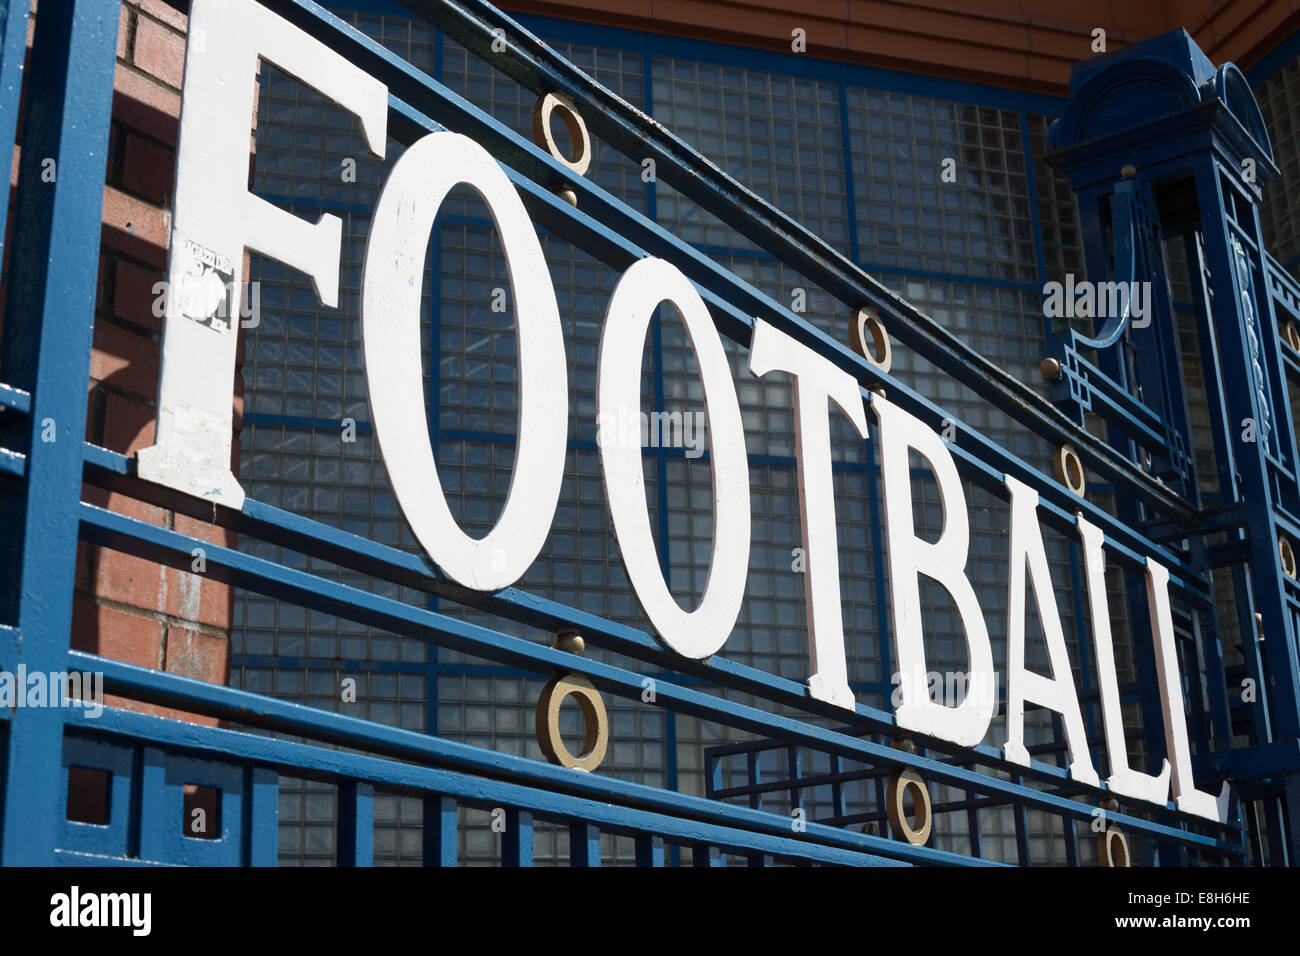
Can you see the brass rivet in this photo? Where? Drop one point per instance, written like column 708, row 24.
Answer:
column 569, row 196
column 1051, row 369
column 1128, row 171
column 570, row 642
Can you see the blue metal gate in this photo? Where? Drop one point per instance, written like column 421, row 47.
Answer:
column 1138, row 192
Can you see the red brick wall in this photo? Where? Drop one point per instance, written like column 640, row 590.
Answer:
column 126, row 607
column 1030, row 44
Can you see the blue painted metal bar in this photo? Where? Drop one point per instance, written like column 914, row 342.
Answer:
column 440, row 831
column 975, row 835
column 255, row 710
column 649, row 851
column 13, row 463
column 152, row 814
column 517, row 840
column 262, row 797
column 169, row 740
column 15, row 398
column 13, row 51
column 356, row 828
column 1021, row 819
column 46, row 352
column 266, row 712
column 584, row 844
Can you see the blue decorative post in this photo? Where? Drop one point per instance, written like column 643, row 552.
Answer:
column 49, row 318
column 1167, row 154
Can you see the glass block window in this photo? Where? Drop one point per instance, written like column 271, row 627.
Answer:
column 979, row 224
column 779, row 135
column 1279, row 101
column 1058, row 213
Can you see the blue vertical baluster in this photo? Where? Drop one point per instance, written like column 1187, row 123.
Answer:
column 262, row 818
column 13, row 50
column 584, row 844
column 440, row 831
column 517, row 841
column 356, row 828
column 649, row 850
column 976, row 838
column 46, row 350
column 1021, row 818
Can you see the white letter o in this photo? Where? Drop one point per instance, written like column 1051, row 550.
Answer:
column 702, row 632
column 391, row 289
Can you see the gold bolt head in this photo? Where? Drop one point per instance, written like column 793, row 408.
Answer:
column 570, row 642
column 1128, row 171
column 1051, row 369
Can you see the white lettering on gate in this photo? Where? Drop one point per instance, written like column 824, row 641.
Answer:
column 216, row 220
column 703, row 631
column 817, row 382
column 391, row 288
column 943, row 561
column 1023, row 685
column 1123, row 779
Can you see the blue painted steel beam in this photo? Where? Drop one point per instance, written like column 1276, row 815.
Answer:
column 584, row 844
column 15, row 398
column 649, row 850
column 262, row 830
column 12, row 463
column 13, row 51
column 517, row 838
column 439, row 832
column 356, row 823
column 45, row 352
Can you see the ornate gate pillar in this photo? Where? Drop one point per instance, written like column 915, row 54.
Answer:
column 1167, row 155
